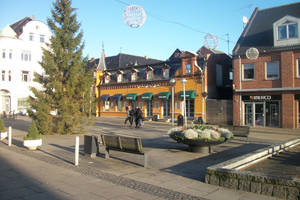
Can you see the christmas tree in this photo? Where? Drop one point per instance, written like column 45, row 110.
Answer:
column 64, row 102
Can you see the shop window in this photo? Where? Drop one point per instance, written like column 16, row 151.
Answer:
column 272, row 70
column 188, row 69
column 298, row 68
column 106, row 106
column 119, row 106
column 177, row 105
column 141, row 105
column 112, row 105
column 156, row 105
column 248, row 71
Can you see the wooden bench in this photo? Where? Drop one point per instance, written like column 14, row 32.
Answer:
column 239, row 131
column 127, row 144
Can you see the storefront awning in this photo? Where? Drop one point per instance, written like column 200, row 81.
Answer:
column 116, row 97
column 104, row 97
column 189, row 94
column 164, row 95
column 131, row 96
column 147, row 96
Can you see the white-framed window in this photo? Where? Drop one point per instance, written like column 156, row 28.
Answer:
column 119, row 106
column 9, row 75
column 10, row 54
column 156, row 105
column 31, row 36
column 106, row 106
column 248, row 71
column 272, row 70
column 3, row 75
column 23, row 103
column 177, row 105
column 3, row 53
column 25, row 76
column 133, row 76
column 119, row 78
column 166, row 73
column 298, row 68
column 106, row 79
column 149, row 75
column 42, row 38
column 288, row 29
column 26, row 56
column 188, row 68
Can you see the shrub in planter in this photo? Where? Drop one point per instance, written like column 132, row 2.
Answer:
column 33, row 139
column 3, row 131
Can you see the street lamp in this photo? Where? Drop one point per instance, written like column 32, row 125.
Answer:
column 183, row 81
column 172, row 83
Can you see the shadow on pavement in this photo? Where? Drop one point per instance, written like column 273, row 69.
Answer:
column 69, row 149
column 17, row 185
column 19, row 123
column 195, row 169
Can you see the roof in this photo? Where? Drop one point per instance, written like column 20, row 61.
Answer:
column 122, row 61
column 259, row 31
column 7, row 31
column 18, row 26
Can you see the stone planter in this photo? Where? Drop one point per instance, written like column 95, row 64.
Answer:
column 32, row 144
column 201, row 146
column 3, row 135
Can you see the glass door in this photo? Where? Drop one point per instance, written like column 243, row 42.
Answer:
column 249, row 114
column 272, row 114
column 259, row 114
column 190, row 107
column 149, row 108
column 166, row 108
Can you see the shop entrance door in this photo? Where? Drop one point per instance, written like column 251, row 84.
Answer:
column 190, row 107
column 259, row 114
column 166, row 108
column 149, row 108
column 249, row 114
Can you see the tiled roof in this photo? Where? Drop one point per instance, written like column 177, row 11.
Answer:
column 259, row 31
column 18, row 26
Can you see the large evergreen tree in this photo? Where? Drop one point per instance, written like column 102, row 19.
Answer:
column 66, row 83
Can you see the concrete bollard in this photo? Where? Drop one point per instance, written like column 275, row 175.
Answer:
column 77, row 151
column 9, row 136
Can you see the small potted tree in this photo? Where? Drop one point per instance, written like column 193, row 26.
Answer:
column 3, row 132
column 33, row 139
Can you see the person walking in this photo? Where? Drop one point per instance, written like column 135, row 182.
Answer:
column 138, row 117
column 128, row 116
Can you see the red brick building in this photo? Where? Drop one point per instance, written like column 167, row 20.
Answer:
column 267, row 88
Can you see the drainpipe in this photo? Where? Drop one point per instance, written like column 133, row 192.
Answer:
column 240, row 97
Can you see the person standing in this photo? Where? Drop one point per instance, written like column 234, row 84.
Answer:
column 128, row 116
column 139, row 117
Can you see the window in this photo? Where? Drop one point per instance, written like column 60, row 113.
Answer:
column 42, row 38
column 106, row 79
column 288, row 29
column 133, row 76
column 3, row 75
column 219, row 75
column 231, row 76
column 31, row 36
column 25, row 76
column 156, row 105
column 141, row 105
column 249, row 71
column 9, row 75
column 10, row 54
column 112, row 105
column 272, row 70
column 3, row 53
column 188, row 69
column 177, row 105
column 149, row 75
column 166, row 73
column 119, row 106
column 119, row 78
column 106, row 106
column 298, row 68
column 23, row 103
column 26, row 56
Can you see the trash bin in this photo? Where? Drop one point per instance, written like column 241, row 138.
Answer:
column 180, row 120
column 90, row 145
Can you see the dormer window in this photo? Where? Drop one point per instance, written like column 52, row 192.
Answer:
column 107, row 77
column 166, row 72
column 119, row 78
column 286, row 31
column 188, row 69
column 149, row 73
column 134, row 75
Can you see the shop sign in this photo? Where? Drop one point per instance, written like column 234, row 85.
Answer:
column 261, row 97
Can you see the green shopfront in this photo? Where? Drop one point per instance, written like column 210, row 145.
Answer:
column 262, row 110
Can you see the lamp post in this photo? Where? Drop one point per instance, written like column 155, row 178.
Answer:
column 183, row 81
column 172, row 82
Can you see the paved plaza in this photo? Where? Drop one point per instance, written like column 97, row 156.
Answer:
column 173, row 172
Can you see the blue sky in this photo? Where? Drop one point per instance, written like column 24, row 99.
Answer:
column 102, row 21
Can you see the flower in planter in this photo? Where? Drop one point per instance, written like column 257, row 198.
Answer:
column 33, row 133
column 225, row 133
column 203, row 134
column 190, row 134
column 2, row 127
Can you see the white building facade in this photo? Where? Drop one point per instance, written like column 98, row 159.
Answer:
column 20, row 53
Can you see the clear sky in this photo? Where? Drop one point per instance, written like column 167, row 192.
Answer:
column 102, row 21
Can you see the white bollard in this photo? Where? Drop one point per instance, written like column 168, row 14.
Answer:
column 9, row 136
column 77, row 151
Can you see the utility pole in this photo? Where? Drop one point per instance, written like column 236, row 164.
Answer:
column 227, row 34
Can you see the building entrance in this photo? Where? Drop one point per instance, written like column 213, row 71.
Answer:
column 166, row 108
column 149, row 108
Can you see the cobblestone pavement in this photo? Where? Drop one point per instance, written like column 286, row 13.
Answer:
column 174, row 173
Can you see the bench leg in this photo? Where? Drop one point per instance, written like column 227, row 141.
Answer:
column 106, row 153
column 145, row 160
